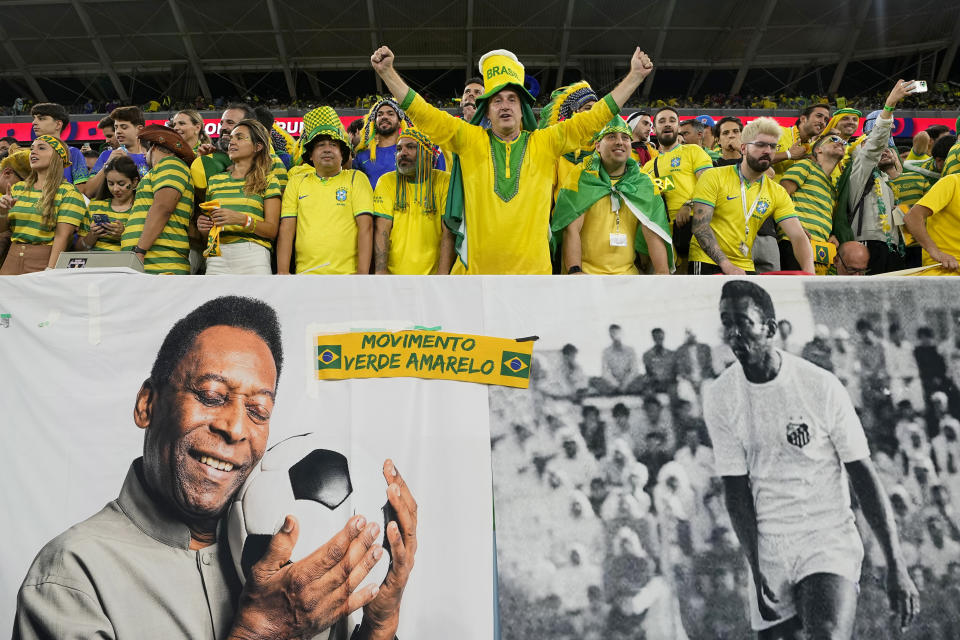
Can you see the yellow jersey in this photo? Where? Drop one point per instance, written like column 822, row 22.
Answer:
column 943, row 200
column 720, row 188
column 677, row 171
column 325, row 209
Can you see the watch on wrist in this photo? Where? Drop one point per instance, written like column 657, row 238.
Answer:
column 574, row 269
column 140, row 250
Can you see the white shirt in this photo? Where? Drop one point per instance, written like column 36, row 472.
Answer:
column 791, row 436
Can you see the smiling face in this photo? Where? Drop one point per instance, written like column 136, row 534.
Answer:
column 387, row 121
column 813, row 124
column 208, row 425
column 41, row 154
column 848, row 125
column 614, row 149
column 182, row 124
column 745, row 330
column 228, row 122
column 504, row 112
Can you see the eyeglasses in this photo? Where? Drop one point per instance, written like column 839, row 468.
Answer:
column 764, row 145
column 837, row 139
column 852, row 271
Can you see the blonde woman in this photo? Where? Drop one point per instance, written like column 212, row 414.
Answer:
column 189, row 124
column 245, row 201
column 44, row 211
column 107, row 214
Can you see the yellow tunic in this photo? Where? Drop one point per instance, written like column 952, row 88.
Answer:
column 415, row 236
column 507, row 235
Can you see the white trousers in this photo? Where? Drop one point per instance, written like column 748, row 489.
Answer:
column 240, row 258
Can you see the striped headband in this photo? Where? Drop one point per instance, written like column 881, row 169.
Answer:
column 59, row 147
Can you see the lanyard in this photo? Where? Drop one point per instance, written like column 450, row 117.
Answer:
column 743, row 203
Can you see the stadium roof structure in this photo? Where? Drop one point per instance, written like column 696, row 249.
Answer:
column 115, row 48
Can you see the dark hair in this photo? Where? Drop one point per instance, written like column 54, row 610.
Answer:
column 662, row 109
column 894, row 327
column 656, row 330
column 91, row 153
column 264, row 116
column 106, row 123
column 614, row 326
column 937, row 130
column 229, row 311
column 9, row 140
column 862, row 324
column 820, row 105
column 568, row 349
column 620, row 409
column 734, row 119
column 942, row 146
column 746, row 289
column 693, row 122
column 52, row 109
column 925, row 332
column 589, row 408
column 248, row 112
column 122, row 164
column 133, row 115
column 651, row 400
column 474, row 80
column 355, row 125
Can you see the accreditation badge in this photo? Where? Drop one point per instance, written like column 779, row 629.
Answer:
column 618, row 239
column 744, row 250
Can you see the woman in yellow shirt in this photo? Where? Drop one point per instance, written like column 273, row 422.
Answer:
column 44, row 211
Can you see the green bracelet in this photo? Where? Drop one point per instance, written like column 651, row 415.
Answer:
column 888, row 109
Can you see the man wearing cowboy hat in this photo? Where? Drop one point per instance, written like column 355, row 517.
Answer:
column 500, row 195
column 328, row 211
column 407, row 205
column 157, row 226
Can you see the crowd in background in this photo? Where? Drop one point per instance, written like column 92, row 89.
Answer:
column 405, row 193
column 615, row 473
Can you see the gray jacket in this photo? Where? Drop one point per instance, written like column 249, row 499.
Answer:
column 865, row 159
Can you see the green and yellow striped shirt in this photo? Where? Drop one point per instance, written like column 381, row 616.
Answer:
column 814, row 199
column 104, row 243
column 171, row 172
column 26, row 219
column 279, row 170
column 229, row 192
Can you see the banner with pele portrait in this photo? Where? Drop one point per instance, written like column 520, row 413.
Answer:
column 612, row 413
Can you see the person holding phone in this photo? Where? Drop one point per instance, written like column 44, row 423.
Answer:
column 107, row 214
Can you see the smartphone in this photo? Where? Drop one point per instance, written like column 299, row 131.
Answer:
column 919, row 86
column 101, row 219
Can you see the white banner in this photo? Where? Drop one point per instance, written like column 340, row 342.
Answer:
column 75, row 348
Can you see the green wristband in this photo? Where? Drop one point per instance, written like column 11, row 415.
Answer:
column 889, row 109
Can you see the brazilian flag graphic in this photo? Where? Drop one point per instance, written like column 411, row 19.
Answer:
column 515, row 365
column 328, row 356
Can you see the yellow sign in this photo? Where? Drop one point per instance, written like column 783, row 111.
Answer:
column 423, row 354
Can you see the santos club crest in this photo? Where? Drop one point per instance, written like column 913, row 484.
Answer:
column 798, row 434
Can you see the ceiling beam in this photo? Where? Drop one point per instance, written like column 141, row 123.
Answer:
column 191, row 52
column 564, row 44
column 853, row 34
column 951, row 53
column 469, row 66
column 374, row 40
column 658, row 48
column 21, row 66
column 101, row 51
column 751, row 52
column 281, row 49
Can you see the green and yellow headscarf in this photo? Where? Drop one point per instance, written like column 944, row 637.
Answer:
column 59, row 147
column 422, row 178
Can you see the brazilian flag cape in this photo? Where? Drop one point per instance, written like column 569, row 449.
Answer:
column 589, row 182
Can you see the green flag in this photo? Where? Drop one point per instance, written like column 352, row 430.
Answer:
column 589, row 182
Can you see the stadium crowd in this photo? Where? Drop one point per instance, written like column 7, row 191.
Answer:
column 410, row 189
column 616, row 472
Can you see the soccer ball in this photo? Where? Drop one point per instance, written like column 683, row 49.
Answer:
column 296, row 476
